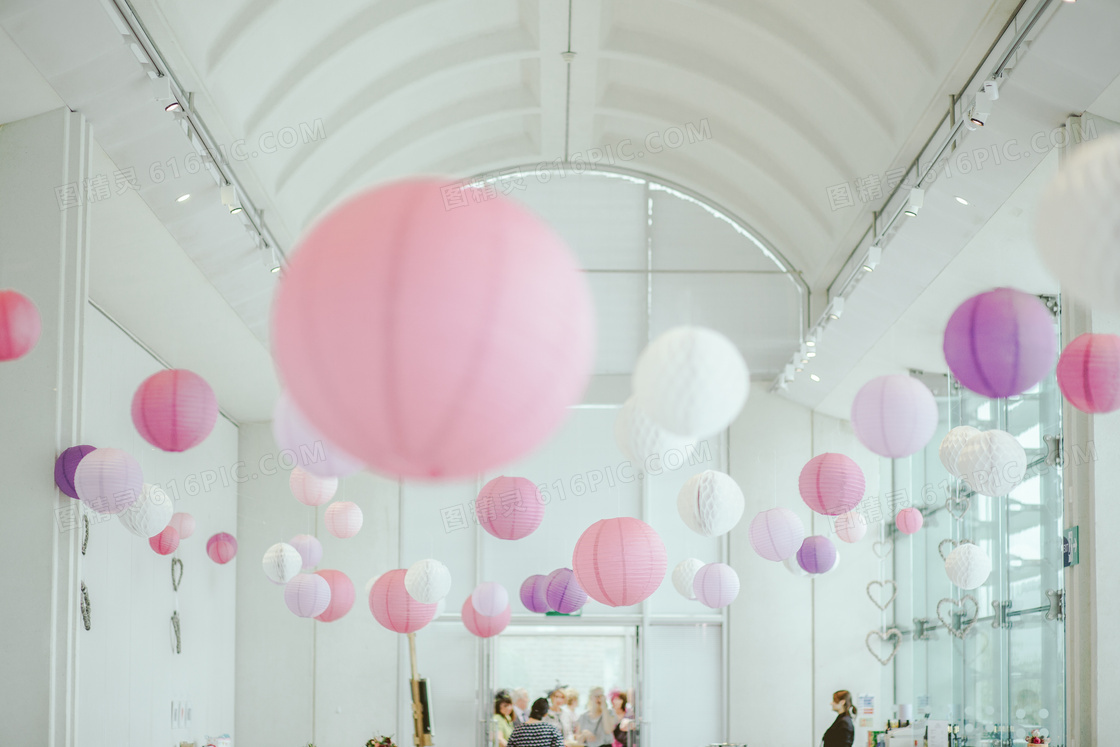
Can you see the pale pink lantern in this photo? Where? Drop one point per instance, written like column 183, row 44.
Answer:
column 1089, row 373
column 174, row 409
column 776, row 534
column 620, row 562
column 307, row 595
column 20, row 325
column 309, row 548
column 221, row 547
column 490, row 598
column 509, row 508
column 894, row 415
column 343, row 519
column 310, row 489
column 716, row 585
column 394, row 607
column 184, row 524
column 909, row 520
column 302, row 444
column 108, row 480
column 485, row 626
column 342, row 595
column 166, row 542
column 831, row 484
column 851, row 527
column 431, row 337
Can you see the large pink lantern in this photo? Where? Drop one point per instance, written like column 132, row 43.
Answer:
column 305, row 445
column 831, row 484
column 394, row 607
column 310, row 549
column 430, row 334
column 307, row 595
column 484, row 626
column 620, row 562
column 894, row 415
column 509, row 508
column 715, row 585
column 817, row 555
column 20, row 325
column 909, row 520
column 1089, row 373
column 343, row 519
column 310, row 489
column 184, row 524
column 776, row 534
column 166, row 542
column 108, row 480
column 221, row 547
column 563, row 592
column 342, row 595
column 1001, row 343
column 66, row 465
column 174, row 409
column 534, row 593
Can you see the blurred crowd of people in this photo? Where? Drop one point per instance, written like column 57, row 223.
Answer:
column 556, row 721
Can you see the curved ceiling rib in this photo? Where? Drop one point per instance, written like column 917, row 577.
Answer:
column 238, row 27
column 887, row 11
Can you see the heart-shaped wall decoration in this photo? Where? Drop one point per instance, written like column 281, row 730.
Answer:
column 882, row 548
column 875, row 599
column 959, row 604
column 176, row 564
column 952, row 544
column 958, row 507
column 884, row 636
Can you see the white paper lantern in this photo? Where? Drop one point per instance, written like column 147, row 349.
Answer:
column 149, row 514
column 952, row 445
column 968, row 566
column 490, row 598
column 281, row 563
column 343, row 519
column 683, row 575
column 639, row 438
column 428, row 581
column 851, row 527
column 794, row 567
column 691, row 381
column 370, row 583
column 716, row 585
column 711, row 503
column 1078, row 224
column 310, row 489
column 992, row 463
column 835, row 564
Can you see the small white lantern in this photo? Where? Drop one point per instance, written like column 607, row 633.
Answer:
column 639, row 438
column 794, row 567
column 952, row 445
column 968, row 566
column 149, row 514
column 310, row 489
column 992, row 463
column 281, row 563
column 343, row 519
column 692, row 381
column 683, row 575
column 428, row 581
column 711, row 503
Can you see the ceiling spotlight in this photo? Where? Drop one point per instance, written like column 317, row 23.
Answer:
column 276, row 268
column 811, row 354
column 814, row 377
column 962, row 200
column 788, row 371
column 174, row 106
column 874, row 254
column 799, row 369
column 235, row 209
column 182, row 198
column 915, row 201
column 836, row 308
column 982, row 108
column 811, row 343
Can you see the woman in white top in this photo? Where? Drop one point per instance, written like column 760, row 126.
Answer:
column 595, row 727
column 559, row 715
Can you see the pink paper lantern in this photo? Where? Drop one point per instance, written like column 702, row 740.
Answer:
column 457, row 338
column 166, row 542
column 108, row 480
column 221, row 548
column 563, row 592
column 851, row 527
column 509, row 508
column 620, row 562
column 302, row 444
column 20, row 325
column 394, row 607
column 308, row 595
column 342, row 595
column 1001, row 343
column 817, row 554
column 490, row 598
column 776, row 534
column 894, row 415
column 309, row 548
column 343, row 519
column 831, row 484
column 183, row 523
column 909, row 520
column 310, row 489
column 534, row 593
column 174, row 409
column 484, row 626
column 65, row 466
column 716, row 585
column 1089, row 373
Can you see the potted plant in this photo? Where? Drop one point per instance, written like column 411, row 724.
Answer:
column 381, row 742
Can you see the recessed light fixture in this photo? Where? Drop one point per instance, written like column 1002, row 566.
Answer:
column 814, row 377
column 962, row 200
column 182, row 198
column 174, row 106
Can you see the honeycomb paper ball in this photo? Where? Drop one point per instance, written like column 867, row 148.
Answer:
column 183, row 523
column 851, row 527
column 174, row 410
column 490, row 598
column 716, row 585
column 711, row 503
column 310, row 489
column 166, row 542
column 342, row 595
column 831, row 484
column 484, row 626
column 509, row 508
column 310, row 550
column 1089, row 373
column 150, row 514
column 281, row 563
column 307, row 595
column 1078, row 224
column 343, row 519
column 683, row 576
column 639, row 438
column 776, row 534
column 221, row 548
column 394, row 608
column 692, row 381
column 909, row 520
column 968, row 566
column 951, row 446
column 894, row 415
column 66, row 465
column 793, row 566
column 534, row 593
column 620, row 562
column 108, row 480
column 993, row 463
column 563, row 592
column 20, row 325
column 428, row 581
column 817, row 554
column 307, row 447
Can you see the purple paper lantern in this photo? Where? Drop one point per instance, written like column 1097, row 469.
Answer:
column 817, row 554
column 309, row 548
column 1001, row 343
column 64, row 468
column 108, row 480
column 534, row 593
column 776, row 534
column 831, row 484
column 307, row 595
column 307, row 446
column 894, row 416
column 716, row 585
column 563, row 592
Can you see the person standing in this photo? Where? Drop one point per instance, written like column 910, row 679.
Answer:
column 558, row 715
column 595, row 728
column 501, row 723
column 520, row 705
column 842, row 733
column 536, row 731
